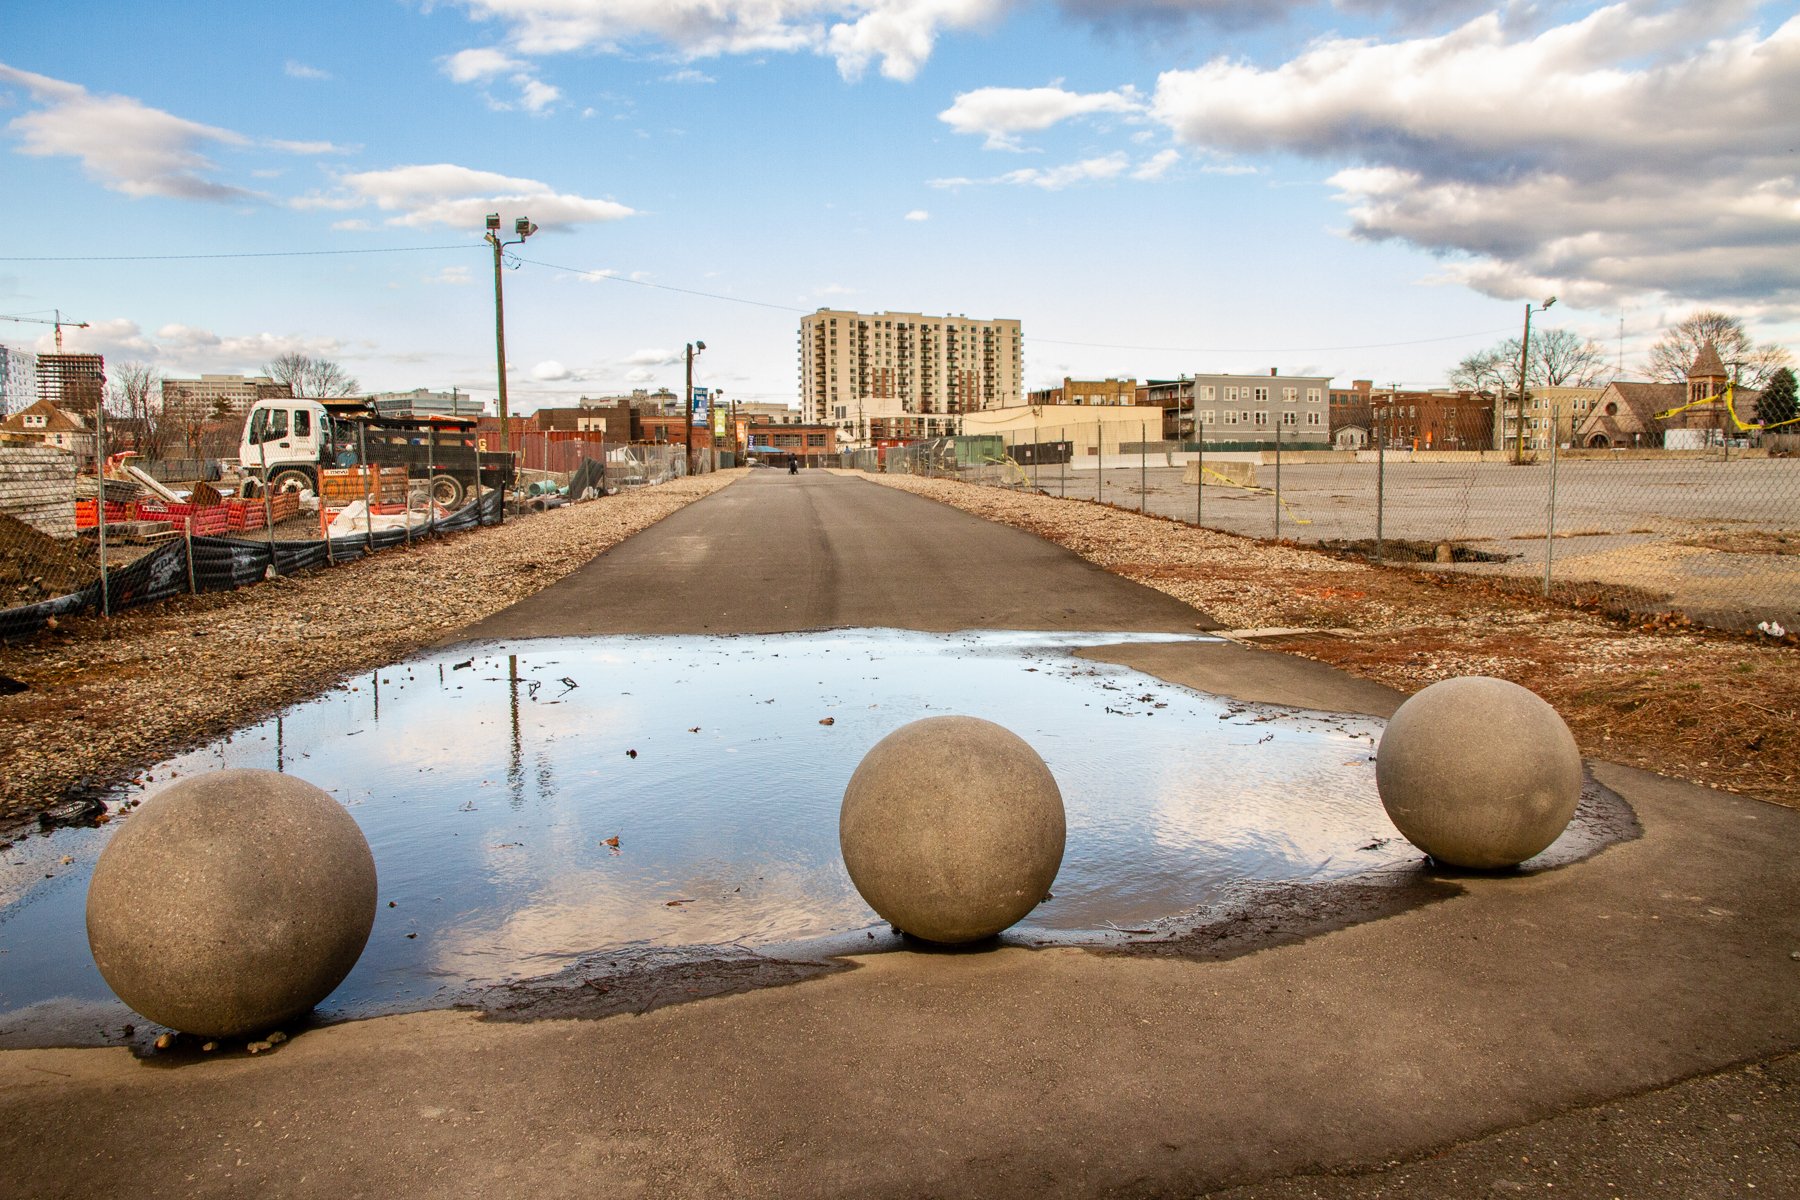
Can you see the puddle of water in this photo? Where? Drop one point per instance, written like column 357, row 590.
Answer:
column 488, row 778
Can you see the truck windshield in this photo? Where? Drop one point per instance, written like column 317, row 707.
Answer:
column 268, row 424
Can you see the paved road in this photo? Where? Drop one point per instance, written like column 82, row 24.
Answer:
column 1493, row 1034
column 774, row 553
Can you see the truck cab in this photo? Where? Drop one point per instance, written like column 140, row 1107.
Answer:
column 284, row 442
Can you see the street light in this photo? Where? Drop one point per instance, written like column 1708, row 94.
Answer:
column 524, row 228
column 687, row 407
column 1524, row 360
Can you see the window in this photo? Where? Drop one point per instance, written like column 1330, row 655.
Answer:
column 815, row 439
column 1313, row 418
column 1290, row 394
column 1288, row 418
column 1231, row 393
column 268, row 424
column 302, row 423
column 1231, row 417
column 1206, row 393
column 1312, row 395
column 1261, row 419
column 1208, row 417
column 1262, row 395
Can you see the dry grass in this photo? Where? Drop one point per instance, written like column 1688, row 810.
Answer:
column 1716, row 709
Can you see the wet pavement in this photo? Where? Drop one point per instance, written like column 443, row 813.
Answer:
column 623, row 810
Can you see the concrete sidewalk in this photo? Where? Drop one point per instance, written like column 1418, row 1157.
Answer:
column 1482, row 1022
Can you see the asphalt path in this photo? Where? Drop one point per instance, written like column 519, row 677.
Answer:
column 776, row 553
column 1621, row 1026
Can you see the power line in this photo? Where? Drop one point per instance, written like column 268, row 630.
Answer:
column 237, row 254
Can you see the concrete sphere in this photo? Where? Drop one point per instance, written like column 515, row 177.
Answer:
column 1478, row 772
column 952, row 828
column 231, row 903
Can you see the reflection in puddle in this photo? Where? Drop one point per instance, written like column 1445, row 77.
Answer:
column 489, row 780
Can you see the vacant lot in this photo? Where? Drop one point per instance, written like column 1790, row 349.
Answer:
column 1713, row 708
column 1716, row 540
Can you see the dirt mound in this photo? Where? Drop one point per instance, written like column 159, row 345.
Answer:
column 35, row 566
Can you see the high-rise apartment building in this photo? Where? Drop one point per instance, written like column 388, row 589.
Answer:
column 18, row 381
column 900, row 376
column 73, row 382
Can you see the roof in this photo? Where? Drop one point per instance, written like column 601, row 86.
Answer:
column 57, row 421
column 1707, row 364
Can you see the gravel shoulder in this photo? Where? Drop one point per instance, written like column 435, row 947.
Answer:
column 106, row 698
column 1716, row 709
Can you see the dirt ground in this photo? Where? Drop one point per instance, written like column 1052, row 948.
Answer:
column 1657, row 693
column 105, row 699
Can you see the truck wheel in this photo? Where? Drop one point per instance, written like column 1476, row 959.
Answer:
column 292, row 479
column 447, row 490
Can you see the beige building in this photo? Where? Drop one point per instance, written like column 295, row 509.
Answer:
column 215, row 397
column 888, row 376
column 1104, row 429
column 1088, row 391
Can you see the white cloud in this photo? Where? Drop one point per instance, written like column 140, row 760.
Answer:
column 480, row 64
column 549, row 371
column 132, row 148
column 653, row 358
column 460, row 197
column 299, row 70
column 901, row 34
column 1000, row 114
column 124, row 144
column 451, row 276
column 485, row 65
column 688, row 76
column 1156, row 165
column 834, row 289
column 186, row 349
column 918, row 214
column 1643, row 148
column 1088, row 170
column 352, row 225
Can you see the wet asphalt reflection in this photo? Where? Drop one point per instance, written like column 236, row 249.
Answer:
column 534, row 804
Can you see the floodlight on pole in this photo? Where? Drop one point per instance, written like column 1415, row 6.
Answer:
column 524, row 229
column 687, row 405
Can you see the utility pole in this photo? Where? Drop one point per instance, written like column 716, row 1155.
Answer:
column 687, row 407
column 1524, row 363
column 524, row 228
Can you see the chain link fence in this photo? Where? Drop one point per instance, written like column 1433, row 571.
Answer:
column 75, row 539
column 1710, row 535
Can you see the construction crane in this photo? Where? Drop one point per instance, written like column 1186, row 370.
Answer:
column 58, row 322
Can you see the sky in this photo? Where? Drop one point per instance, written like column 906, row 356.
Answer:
column 1355, row 188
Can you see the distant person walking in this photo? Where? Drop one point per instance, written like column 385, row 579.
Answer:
column 793, row 464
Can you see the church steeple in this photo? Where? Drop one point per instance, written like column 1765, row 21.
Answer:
column 1707, row 377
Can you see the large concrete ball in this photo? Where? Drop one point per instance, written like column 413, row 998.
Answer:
column 952, row 828
column 1478, row 772
column 231, row 903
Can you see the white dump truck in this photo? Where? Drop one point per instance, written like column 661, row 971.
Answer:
column 286, row 442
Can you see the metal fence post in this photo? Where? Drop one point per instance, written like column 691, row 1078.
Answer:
column 100, row 503
column 362, row 453
column 1143, row 468
column 1278, row 476
column 1099, row 462
column 1199, row 473
column 262, row 452
column 1550, row 509
column 1380, row 482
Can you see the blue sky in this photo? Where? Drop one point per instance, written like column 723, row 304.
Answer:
column 1359, row 188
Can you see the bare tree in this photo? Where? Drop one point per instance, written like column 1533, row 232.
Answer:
column 1748, row 364
column 1559, row 358
column 134, row 401
column 309, row 376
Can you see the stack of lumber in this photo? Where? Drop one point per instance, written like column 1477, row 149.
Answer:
column 37, row 486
